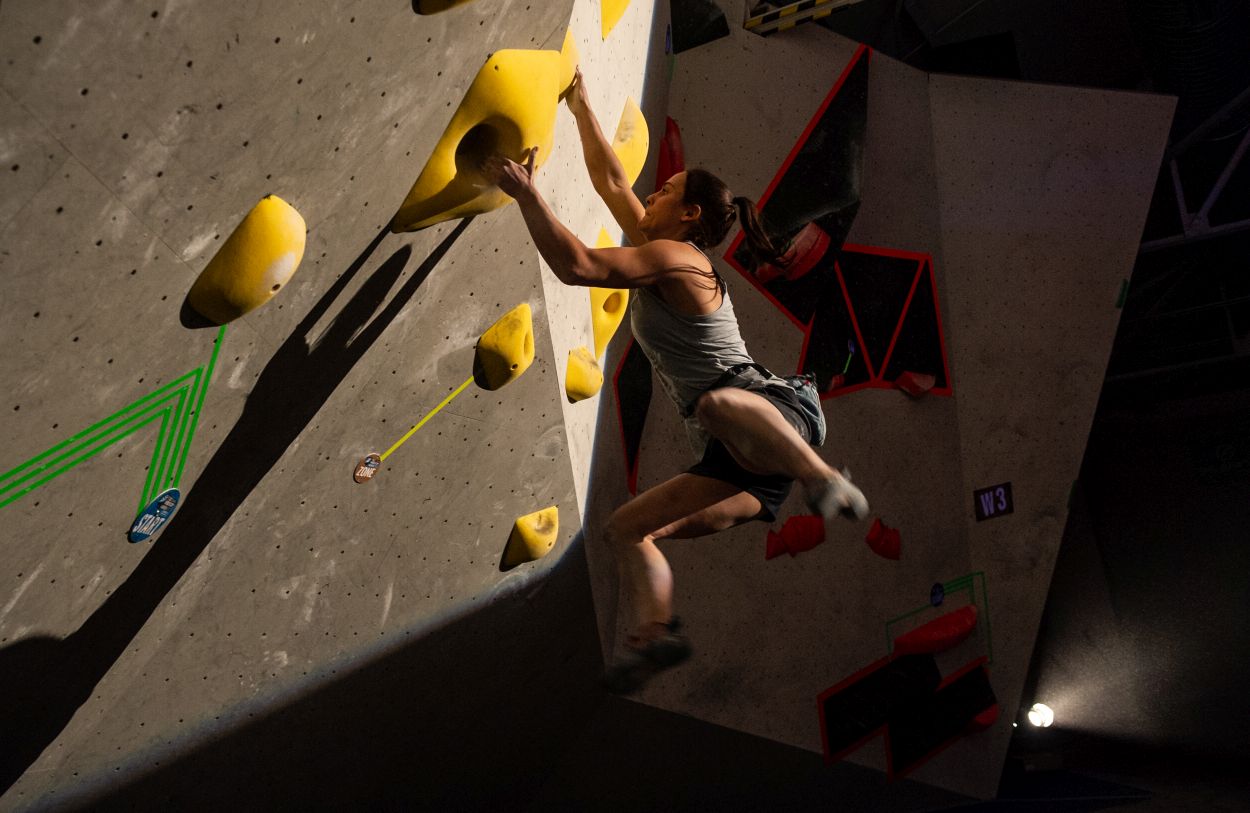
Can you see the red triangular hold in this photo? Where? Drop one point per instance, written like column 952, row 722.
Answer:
column 915, row 384
column 938, row 635
column 984, row 719
column 884, row 540
column 799, row 533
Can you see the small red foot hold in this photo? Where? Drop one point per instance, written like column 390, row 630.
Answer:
column 983, row 720
column 915, row 384
column 884, row 540
column 800, row 533
column 938, row 635
column 807, row 248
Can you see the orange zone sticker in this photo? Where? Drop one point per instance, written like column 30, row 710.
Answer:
column 367, row 467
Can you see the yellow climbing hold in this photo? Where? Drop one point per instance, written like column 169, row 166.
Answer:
column 568, row 61
column 505, row 350
column 607, row 305
column 435, row 6
column 510, row 107
column 257, row 259
column 632, row 140
column 610, row 12
column 533, row 536
column 607, row 309
column 582, row 377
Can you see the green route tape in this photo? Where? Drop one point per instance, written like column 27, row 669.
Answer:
column 173, row 443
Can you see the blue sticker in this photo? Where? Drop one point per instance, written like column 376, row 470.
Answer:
column 937, row 594
column 154, row 516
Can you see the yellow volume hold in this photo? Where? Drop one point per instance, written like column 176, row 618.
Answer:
column 582, row 377
column 632, row 140
column 505, row 350
column 533, row 536
column 257, row 259
column 510, row 107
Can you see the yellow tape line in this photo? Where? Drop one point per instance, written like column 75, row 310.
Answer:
column 421, row 422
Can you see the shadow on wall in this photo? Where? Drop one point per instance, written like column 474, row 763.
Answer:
column 472, row 716
column 43, row 680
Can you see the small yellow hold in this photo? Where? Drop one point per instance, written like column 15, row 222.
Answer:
column 533, row 536
column 610, row 13
column 509, row 108
column 607, row 305
column 505, row 350
column 582, row 377
column 257, row 259
column 607, row 309
column 632, row 140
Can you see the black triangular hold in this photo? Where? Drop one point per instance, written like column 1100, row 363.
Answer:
column 877, row 286
column 919, row 347
column 633, row 399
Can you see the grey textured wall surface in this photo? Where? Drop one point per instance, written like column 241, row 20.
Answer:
column 1043, row 193
column 134, row 139
column 1030, row 201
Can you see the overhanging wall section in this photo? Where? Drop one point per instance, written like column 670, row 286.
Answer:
column 1028, row 200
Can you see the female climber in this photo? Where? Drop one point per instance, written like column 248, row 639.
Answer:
column 747, row 424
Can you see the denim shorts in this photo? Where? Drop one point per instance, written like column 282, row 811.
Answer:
column 717, row 463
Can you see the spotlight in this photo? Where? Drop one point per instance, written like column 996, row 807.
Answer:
column 1041, row 715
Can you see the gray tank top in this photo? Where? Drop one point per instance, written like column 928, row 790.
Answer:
column 689, row 353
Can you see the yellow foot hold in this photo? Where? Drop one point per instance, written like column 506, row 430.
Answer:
column 510, row 107
column 533, row 536
column 610, row 13
column 632, row 140
column 505, row 350
column 582, row 378
column 256, row 260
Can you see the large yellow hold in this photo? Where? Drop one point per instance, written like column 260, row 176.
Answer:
column 257, row 259
column 533, row 536
column 506, row 349
column 582, row 377
column 610, row 13
column 510, row 107
column 632, row 140
column 607, row 305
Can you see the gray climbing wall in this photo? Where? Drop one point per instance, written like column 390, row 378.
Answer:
column 134, row 139
column 1029, row 200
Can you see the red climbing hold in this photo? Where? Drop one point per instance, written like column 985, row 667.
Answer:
column 800, row 533
column 884, row 540
column 672, row 157
column 807, row 249
column 983, row 720
column 915, row 384
column 938, row 635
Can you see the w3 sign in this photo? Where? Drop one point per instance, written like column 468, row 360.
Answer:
column 992, row 502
